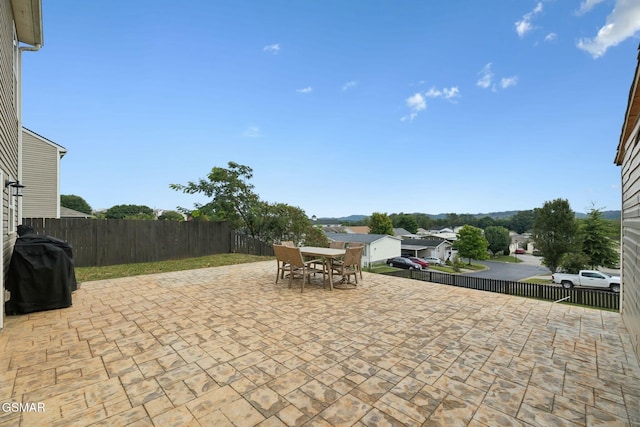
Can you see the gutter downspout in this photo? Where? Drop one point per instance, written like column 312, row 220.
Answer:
column 21, row 49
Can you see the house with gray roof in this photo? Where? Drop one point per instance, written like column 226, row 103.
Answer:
column 424, row 248
column 377, row 247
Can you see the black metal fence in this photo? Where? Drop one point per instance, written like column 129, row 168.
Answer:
column 118, row 241
column 588, row 297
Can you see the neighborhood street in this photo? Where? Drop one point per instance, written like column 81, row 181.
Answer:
column 506, row 271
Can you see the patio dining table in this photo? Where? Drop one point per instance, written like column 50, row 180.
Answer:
column 327, row 254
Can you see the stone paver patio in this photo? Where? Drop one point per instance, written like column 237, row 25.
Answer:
column 227, row 347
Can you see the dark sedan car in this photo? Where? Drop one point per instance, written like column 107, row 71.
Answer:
column 400, row 262
column 422, row 262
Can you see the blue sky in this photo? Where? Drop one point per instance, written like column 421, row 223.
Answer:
column 339, row 107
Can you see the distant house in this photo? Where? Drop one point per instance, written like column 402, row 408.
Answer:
column 401, row 232
column 358, row 229
column 444, row 234
column 20, row 30
column 423, row 248
column 40, row 176
column 628, row 156
column 70, row 213
column 377, row 247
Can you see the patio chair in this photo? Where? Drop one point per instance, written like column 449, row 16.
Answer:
column 282, row 258
column 358, row 245
column 299, row 266
column 288, row 243
column 336, row 245
column 349, row 265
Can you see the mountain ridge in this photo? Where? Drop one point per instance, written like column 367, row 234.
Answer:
column 611, row 214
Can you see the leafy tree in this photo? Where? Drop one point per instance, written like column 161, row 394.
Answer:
column 498, row 239
column 171, row 216
column 554, row 231
column 233, row 198
column 315, row 237
column 522, row 221
column 471, row 243
column 573, row 262
column 380, row 223
column 598, row 248
column 485, row 222
column 408, row 222
column 279, row 221
column 129, row 212
column 76, row 203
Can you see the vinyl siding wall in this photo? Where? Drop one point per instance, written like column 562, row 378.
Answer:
column 40, row 167
column 8, row 123
column 630, row 303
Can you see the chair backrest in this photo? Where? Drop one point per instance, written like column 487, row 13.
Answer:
column 336, row 245
column 294, row 256
column 281, row 253
column 288, row 243
column 355, row 245
column 352, row 256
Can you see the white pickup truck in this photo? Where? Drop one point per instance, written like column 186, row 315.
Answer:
column 588, row 278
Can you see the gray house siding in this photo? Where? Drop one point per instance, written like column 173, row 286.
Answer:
column 8, row 139
column 8, row 124
column 19, row 20
column 40, row 175
column 628, row 156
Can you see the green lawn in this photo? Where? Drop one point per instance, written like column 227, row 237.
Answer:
column 86, row 274
column 506, row 258
column 538, row 281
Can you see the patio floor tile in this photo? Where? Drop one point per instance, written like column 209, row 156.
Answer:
column 226, row 346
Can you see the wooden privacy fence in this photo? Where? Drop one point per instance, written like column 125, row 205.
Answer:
column 118, row 241
column 588, row 297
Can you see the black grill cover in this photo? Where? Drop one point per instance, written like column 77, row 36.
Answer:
column 41, row 275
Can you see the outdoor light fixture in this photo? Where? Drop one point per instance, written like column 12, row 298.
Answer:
column 16, row 186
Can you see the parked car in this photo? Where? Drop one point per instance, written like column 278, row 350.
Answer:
column 588, row 278
column 422, row 262
column 402, row 262
column 520, row 251
column 433, row 260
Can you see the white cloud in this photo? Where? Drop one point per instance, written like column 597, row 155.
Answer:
column 622, row 23
column 486, row 80
column 587, row 5
column 307, row 89
column 524, row 25
column 506, row 82
column 416, row 103
column 272, row 48
column 349, row 85
column 448, row 94
column 485, row 77
column 550, row 37
column 252, row 132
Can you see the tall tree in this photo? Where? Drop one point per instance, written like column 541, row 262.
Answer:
column 129, row 212
column 233, row 198
column 555, row 231
column 76, row 203
column 498, row 238
column 522, row 221
column 406, row 221
column 171, row 216
column 599, row 249
column 380, row 223
column 471, row 243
